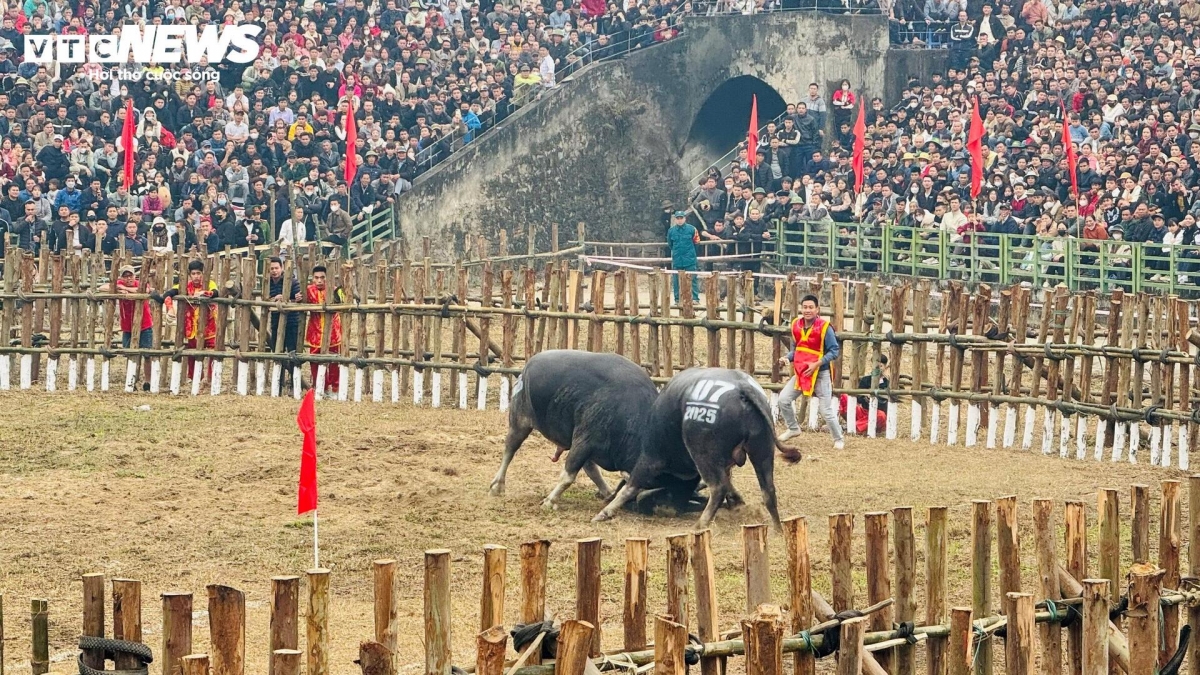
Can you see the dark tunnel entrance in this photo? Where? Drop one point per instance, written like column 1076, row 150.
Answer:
column 724, row 119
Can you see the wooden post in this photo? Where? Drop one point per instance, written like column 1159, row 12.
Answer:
column 1140, row 525
column 285, row 662
column 490, row 647
column 879, row 582
column 1018, row 645
column 491, row 602
column 904, row 545
column 981, row 574
column 637, row 561
column 1108, row 507
column 841, row 535
column 535, row 555
column 937, row 548
column 317, row 627
column 1048, row 586
column 961, row 646
column 574, row 642
column 1170, row 541
column 1145, row 586
column 756, row 566
column 127, row 618
column 176, row 631
column 850, row 651
column 39, row 614
column 437, row 612
column 93, row 619
column 227, row 630
column 285, row 622
column 386, row 611
column 705, row 579
column 795, row 532
column 1193, row 563
column 763, row 634
column 677, row 579
column 670, row 639
column 1076, row 535
column 587, row 588
column 1095, row 627
column 1008, row 545
column 197, row 664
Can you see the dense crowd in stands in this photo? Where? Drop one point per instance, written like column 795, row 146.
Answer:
column 235, row 154
column 1122, row 73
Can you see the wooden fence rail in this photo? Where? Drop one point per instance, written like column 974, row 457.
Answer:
column 1075, row 375
column 872, row 633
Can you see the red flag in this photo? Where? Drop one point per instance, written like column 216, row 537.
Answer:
column 351, row 141
column 306, row 419
column 127, row 145
column 860, row 147
column 752, row 135
column 1072, row 160
column 975, row 149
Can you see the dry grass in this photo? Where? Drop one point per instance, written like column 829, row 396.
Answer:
column 199, row 491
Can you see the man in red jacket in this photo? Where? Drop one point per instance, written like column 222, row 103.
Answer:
column 127, row 284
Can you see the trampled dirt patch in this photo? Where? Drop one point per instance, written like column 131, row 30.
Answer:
column 199, row 491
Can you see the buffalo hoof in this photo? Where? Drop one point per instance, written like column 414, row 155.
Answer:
column 497, row 489
column 605, row 496
column 601, row 517
column 548, row 505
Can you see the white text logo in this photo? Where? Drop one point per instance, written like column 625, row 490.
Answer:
column 153, row 44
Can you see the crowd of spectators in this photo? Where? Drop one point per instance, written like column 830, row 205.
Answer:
column 1121, row 72
column 234, row 154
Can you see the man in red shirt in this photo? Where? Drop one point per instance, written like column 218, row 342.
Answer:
column 127, row 284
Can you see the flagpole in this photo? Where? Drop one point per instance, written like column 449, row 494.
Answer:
column 316, row 549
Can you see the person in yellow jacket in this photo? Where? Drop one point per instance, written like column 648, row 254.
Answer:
column 814, row 347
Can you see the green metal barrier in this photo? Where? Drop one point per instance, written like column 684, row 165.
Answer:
column 1080, row 264
column 367, row 228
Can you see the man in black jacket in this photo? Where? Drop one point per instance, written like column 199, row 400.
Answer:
column 54, row 161
column 291, row 321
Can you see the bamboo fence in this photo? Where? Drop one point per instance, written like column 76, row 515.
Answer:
column 1074, row 374
column 1089, row 617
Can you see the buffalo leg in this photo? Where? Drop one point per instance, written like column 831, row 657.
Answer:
column 577, row 459
column 519, row 429
column 593, row 472
column 764, row 467
column 718, row 487
column 623, row 495
column 733, row 498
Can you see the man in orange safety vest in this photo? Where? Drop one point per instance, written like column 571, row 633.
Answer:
column 815, row 347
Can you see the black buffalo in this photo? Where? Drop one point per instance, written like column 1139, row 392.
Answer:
column 706, row 421
column 595, row 405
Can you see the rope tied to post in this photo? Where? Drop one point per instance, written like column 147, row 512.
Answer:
column 1050, row 355
column 906, row 630
column 891, row 337
column 1150, row 414
column 523, row 635
column 111, row 648
column 1052, row 608
column 481, row 370
column 694, row 650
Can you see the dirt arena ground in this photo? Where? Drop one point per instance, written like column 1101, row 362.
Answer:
column 199, row 491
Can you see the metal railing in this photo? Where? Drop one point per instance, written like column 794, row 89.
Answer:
column 1080, row 264
column 370, row 226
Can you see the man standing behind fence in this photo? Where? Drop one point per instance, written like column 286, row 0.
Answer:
column 196, row 288
column 683, row 238
column 127, row 284
column 316, row 328
column 815, row 347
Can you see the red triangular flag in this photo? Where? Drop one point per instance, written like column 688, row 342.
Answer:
column 975, row 149
column 752, row 135
column 1072, row 160
column 860, row 147
column 306, row 419
column 351, row 141
column 127, row 145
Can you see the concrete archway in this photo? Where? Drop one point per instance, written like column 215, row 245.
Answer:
column 724, row 118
